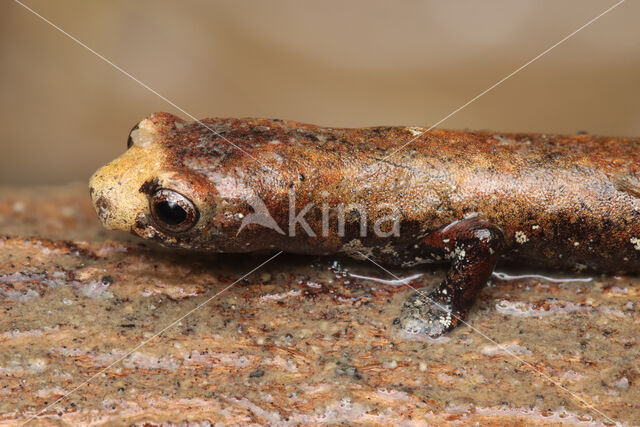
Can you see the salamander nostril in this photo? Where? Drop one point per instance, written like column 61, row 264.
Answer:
column 102, row 206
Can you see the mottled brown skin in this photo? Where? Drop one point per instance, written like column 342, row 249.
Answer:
column 466, row 198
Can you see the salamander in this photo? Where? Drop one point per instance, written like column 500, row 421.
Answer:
column 463, row 198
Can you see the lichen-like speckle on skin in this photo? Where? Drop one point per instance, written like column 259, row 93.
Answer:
column 483, row 234
column 356, row 250
column 459, row 253
column 521, row 237
column 228, row 186
column 467, row 198
column 389, row 249
column 113, row 185
column 580, row 267
column 415, row 131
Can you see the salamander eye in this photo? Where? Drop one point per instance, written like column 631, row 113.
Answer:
column 172, row 211
column 130, row 140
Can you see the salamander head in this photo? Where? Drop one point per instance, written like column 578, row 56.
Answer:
column 154, row 190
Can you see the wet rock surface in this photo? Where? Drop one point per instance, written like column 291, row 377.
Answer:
column 301, row 340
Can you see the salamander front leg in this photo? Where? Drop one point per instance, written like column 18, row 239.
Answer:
column 473, row 247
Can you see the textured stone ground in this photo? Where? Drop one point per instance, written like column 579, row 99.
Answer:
column 299, row 341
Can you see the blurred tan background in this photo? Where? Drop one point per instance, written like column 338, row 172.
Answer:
column 65, row 112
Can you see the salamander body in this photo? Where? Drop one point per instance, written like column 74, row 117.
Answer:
column 463, row 198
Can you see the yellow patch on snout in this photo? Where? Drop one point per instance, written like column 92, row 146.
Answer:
column 115, row 188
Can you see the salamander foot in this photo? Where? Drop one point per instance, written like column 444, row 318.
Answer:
column 473, row 246
column 430, row 314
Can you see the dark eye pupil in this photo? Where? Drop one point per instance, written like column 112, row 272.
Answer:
column 170, row 213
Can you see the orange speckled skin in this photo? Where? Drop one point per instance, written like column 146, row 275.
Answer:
column 556, row 190
column 552, row 200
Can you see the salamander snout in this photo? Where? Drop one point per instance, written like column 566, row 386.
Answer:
column 106, row 205
column 115, row 188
